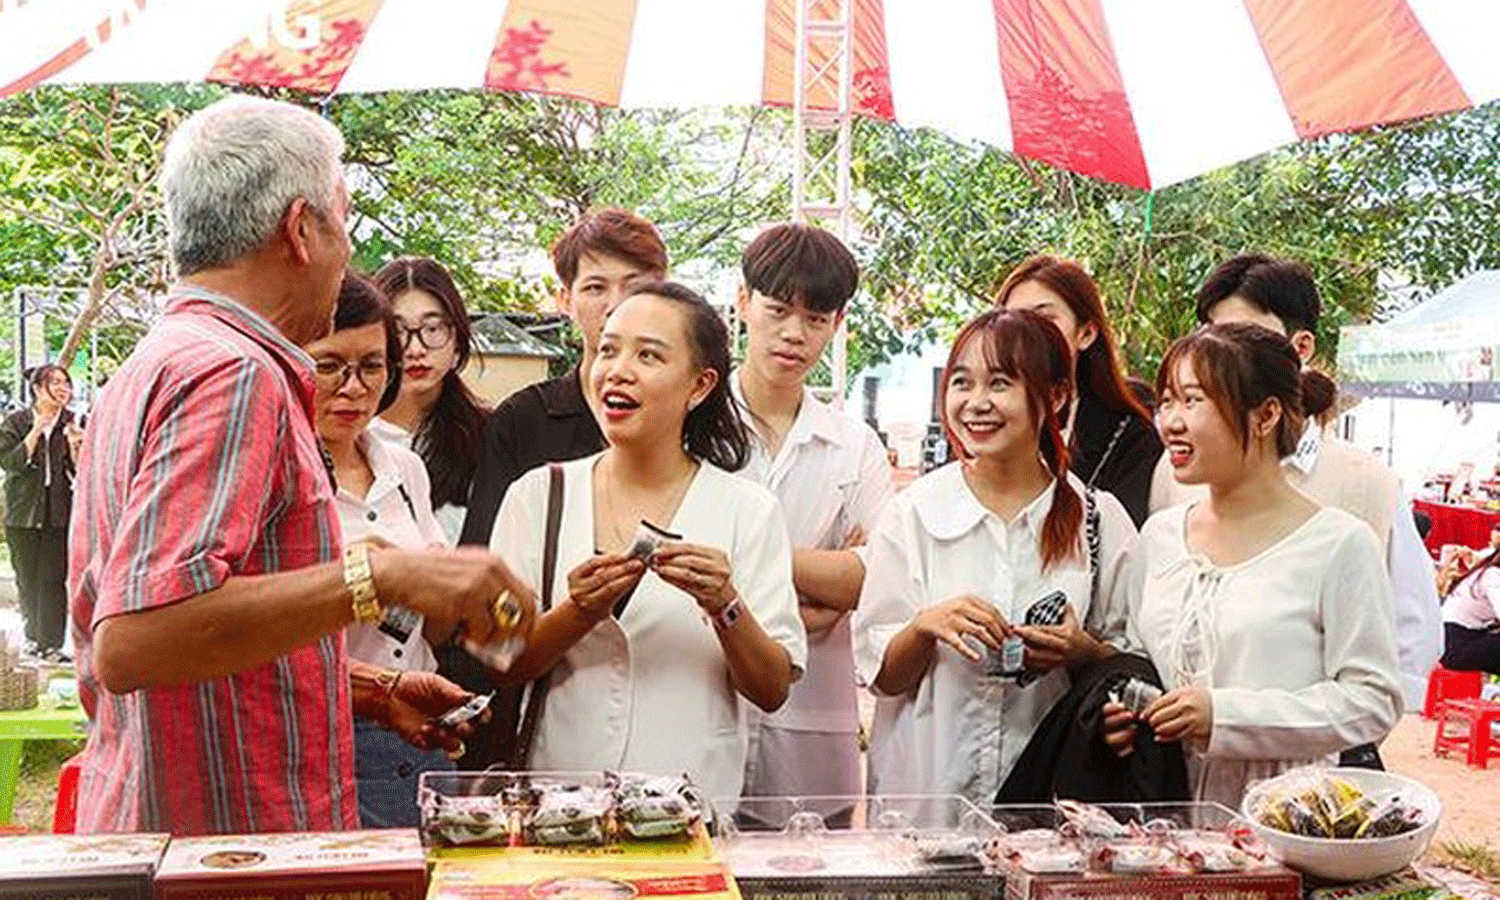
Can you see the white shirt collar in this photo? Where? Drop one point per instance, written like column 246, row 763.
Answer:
column 948, row 509
column 815, row 419
column 1306, row 455
column 386, row 475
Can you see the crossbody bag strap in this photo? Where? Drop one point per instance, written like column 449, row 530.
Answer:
column 1095, row 541
column 538, row 693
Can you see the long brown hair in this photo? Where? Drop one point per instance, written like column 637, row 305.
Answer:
column 1029, row 349
column 1099, row 374
column 448, row 437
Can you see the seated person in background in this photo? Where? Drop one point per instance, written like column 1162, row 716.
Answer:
column 1471, row 624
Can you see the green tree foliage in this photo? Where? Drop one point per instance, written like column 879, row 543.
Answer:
column 1401, row 205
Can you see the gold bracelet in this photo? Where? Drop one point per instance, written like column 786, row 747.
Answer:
column 359, row 578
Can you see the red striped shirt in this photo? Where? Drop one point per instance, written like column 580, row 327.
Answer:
column 201, row 462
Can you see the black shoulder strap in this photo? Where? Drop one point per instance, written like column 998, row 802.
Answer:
column 538, row 693
column 1095, row 541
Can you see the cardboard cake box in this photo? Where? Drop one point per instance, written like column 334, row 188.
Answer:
column 75, row 867
column 508, row 877
column 367, row 865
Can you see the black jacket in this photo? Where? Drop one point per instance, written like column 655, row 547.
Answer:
column 539, row 424
column 29, row 501
column 1067, row 756
column 1123, row 470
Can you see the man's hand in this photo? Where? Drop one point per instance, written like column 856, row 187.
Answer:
column 417, row 700
column 458, row 586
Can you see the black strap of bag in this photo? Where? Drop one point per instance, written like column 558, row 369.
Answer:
column 537, row 696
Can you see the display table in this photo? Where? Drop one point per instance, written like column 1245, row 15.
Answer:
column 1453, row 524
column 46, row 722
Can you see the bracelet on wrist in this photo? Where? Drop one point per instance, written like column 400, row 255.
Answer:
column 727, row 615
column 359, row 579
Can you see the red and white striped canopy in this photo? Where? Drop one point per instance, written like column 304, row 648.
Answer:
column 1141, row 92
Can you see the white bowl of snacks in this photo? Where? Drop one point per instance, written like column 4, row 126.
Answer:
column 1343, row 824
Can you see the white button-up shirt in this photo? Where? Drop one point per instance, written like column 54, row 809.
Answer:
column 449, row 516
column 959, row 731
column 397, row 509
column 831, row 475
column 1295, row 645
column 650, row 691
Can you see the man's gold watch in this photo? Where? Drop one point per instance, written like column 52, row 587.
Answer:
column 359, row 578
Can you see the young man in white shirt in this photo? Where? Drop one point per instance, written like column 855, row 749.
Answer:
column 1281, row 295
column 832, row 476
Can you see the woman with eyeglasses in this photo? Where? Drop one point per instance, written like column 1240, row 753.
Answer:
column 435, row 412
column 382, row 496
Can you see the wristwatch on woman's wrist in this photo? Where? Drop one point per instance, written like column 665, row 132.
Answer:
column 728, row 614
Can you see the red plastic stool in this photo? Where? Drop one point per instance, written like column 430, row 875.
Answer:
column 1467, row 725
column 1446, row 684
column 65, row 815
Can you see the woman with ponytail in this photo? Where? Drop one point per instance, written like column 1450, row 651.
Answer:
column 435, row 411
column 952, row 631
column 1267, row 615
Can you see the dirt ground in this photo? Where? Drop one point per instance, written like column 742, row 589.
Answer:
column 1471, row 797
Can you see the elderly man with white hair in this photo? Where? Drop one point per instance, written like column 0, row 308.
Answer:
column 208, row 584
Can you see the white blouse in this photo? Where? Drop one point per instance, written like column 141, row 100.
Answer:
column 397, row 510
column 1471, row 603
column 650, row 691
column 831, row 475
column 1295, row 645
column 959, row 731
column 449, row 516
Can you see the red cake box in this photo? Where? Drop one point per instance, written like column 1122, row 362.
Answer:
column 75, row 867
column 342, row 865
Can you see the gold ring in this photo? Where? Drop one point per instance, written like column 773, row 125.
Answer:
column 457, row 754
column 507, row 611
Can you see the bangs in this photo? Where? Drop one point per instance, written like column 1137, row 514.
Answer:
column 1222, row 373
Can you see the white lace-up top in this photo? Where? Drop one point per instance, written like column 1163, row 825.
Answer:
column 1294, row 644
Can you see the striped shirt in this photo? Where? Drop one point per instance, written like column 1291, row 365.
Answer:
column 201, row 462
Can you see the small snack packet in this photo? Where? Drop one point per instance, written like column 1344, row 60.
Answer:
column 471, row 820
column 1136, row 695
column 650, row 807
column 466, row 711
column 570, row 814
column 648, row 539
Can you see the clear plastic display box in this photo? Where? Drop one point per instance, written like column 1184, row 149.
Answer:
column 566, row 814
column 1135, row 851
column 857, row 848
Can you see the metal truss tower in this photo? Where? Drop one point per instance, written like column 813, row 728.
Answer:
column 822, row 83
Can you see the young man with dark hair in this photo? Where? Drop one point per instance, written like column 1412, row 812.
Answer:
column 830, row 472
column 597, row 260
column 1282, row 296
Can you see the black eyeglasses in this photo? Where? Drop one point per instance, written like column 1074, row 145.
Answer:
column 332, row 373
column 432, row 334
